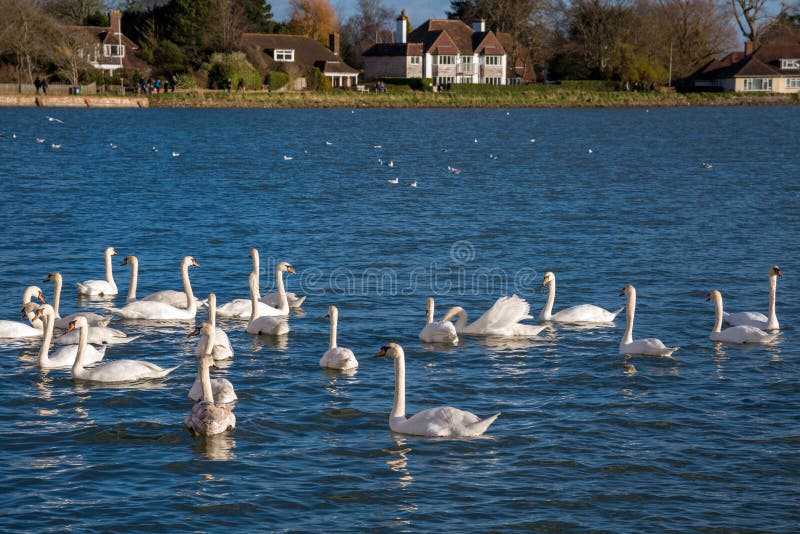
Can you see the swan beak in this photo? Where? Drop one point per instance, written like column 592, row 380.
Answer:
column 22, row 313
column 114, row 253
column 290, row 270
column 38, row 315
column 381, row 352
column 622, row 292
column 778, row 272
column 124, row 261
column 40, row 296
column 70, row 327
column 49, row 277
column 194, row 332
column 708, row 297
column 194, row 262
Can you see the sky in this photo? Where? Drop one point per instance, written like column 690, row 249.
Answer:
column 418, row 11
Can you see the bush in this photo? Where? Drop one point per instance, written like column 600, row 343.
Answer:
column 169, row 57
column 277, row 79
column 185, row 81
column 417, row 84
column 233, row 67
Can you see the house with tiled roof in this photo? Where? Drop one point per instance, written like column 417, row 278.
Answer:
column 772, row 68
column 109, row 49
column 444, row 50
column 299, row 50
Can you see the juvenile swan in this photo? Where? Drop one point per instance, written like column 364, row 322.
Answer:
column 207, row 417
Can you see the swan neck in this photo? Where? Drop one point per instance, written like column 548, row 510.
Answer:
column 256, row 263
column 719, row 313
column 284, row 300
column 772, row 315
column 83, row 339
column 134, row 280
column 630, row 311
column 109, row 272
column 429, row 313
column 212, row 313
column 399, row 407
column 205, row 379
column 334, row 324
column 547, row 311
column 57, row 281
column 187, row 285
column 44, row 352
column 462, row 319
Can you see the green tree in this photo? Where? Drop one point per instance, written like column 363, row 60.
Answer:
column 233, row 67
column 259, row 15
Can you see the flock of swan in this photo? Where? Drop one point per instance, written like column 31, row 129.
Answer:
column 82, row 346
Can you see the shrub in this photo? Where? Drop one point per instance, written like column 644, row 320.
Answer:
column 169, row 57
column 233, row 67
column 417, row 84
column 277, row 79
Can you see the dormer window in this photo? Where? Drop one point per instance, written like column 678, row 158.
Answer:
column 114, row 50
column 286, row 56
column 790, row 63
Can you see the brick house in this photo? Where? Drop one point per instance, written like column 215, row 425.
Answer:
column 111, row 50
column 447, row 51
column 771, row 68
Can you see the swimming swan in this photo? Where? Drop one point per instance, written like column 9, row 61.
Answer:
column 735, row 334
column 221, row 388
column 100, row 288
column 274, row 299
column 583, row 313
column 111, row 372
column 437, row 331
column 444, row 421
column 759, row 320
column 174, row 298
column 222, row 345
column 243, row 308
column 337, row 357
column 273, row 325
column 649, row 346
column 17, row 329
column 64, row 357
column 154, row 310
column 94, row 319
column 207, row 417
column 502, row 319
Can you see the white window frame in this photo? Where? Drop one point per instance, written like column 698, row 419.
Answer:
column 110, row 49
column 793, row 83
column 492, row 60
column 284, row 55
column 790, row 64
column 414, row 60
column 445, row 59
column 764, row 83
column 466, row 59
column 493, row 80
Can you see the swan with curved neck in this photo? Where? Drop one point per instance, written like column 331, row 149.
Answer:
column 648, row 346
column 17, row 329
column 337, row 357
column 274, row 299
column 502, row 319
column 222, row 349
column 110, row 372
column 221, row 388
column 64, row 357
column 437, row 331
column 94, row 319
column 177, row 299
column 243, row 308
column 581, row 314
column 133, row 261
column 444, row 421
column 759, row 320
column 155, row 310
column 100, row 288
column 274, row 325
column 735, row 334
column 207, row 417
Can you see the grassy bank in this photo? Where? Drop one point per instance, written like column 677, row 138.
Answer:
column 494, row 97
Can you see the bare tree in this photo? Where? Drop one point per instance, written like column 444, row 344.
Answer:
column 26, row 34
column 74, row 11
column 225, row 23
column 754, row 18
column 371, row 24
column 72, row 54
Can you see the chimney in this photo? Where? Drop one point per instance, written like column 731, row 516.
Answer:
column 479, row 25
column 115, row 20
column 333, row 42
column 402, row 22
column 748, row 48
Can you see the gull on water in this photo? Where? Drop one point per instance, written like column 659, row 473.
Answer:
column 54, row 145
column 413, row 184
column 53, row 119
column 39, row 140
column 175, row 154
column 287, row 158
column 393, row 180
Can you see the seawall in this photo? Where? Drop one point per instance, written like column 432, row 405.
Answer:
column 76, row 101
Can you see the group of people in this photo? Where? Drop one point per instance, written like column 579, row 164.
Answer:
column 151, row 86
column 41, row 85
column 640, row 87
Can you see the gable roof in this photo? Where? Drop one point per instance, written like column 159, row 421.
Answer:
column 102, row 35
column 442, row 37
column 306, row 50
column 520, row 62
column 764, row 61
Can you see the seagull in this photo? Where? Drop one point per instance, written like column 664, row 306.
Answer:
column 55, row 145
column 175, row 154
column 508, row 113
column 393, row 180
column 13, row 136
column 707, row 165
column 590, row 151
column 453, row 170
column 154, row 149
column 532, row 140
column 53, row 119
column 380, row 161
column 328, row 143
column 377, row 146
column 287, row 158
column 476, row 139
column 390, row 164
column 112, row 145
column 492, row 156
column 413, row 184
column 39, row 140
column 444, row 150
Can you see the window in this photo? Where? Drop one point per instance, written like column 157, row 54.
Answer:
column 491, row 60
column 793, row 83
column 414, row 60
column 113, row 50
column 466, row 59
column 493, row 80
column 284, row 55
column 758, row 84
column 790, row 63
column 443, row 80
column 446, row 60
column 465, row 79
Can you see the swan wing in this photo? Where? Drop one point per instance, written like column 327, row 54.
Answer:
column 64, row 357
column 338, row 358
column 208, row 419
column 505, row 312
column 439, row 332
column 585, row 313
column 649, row 346
column 93, row 319
column 96, row 288
column 444, row 421
column 743, row 334
column 759, row 320
column 124, row 371
column 153, row 310
column 270, row 325
column 169, row 296
column 16, row 329
column 221, row 388
column 274, row 300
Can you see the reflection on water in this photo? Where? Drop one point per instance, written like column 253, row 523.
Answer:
column 279, row 343
column 218, row 447
column 398, row 462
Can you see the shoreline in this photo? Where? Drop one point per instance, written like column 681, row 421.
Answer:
column 401, row 100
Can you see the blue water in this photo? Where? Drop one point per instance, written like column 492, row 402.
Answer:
column 708, row 440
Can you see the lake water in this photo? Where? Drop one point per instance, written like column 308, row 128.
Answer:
column 708, row 440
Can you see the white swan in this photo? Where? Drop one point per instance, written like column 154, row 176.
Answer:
column 111, row 372
column 94, row 319
column 264, row 324
column 736, row 334
column 17, row 329
column 649, row 346
column 64, row 357
column 444, row 421
column 437, row 331
column 583, row 313
column 502, row 319
column 274, row 299
column 222, row 349
column 208, row 417
column 337, row 357
column 154, row 310
column 98, row 335
column 238, row 307
column 177, row 299
column 133, row 261
column 101, row 288
column 221, row 388
column 759, row 320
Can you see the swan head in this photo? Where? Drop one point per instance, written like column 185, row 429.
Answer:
column 714, row 294
column 548, row 277
column 52, row 277
column 285, row 267
column 253, row 253
column 110, row 251
column 29, row 307
column 775, row 271
column 45, row 310
column 333, row 312
column 628, row 290
column 190, row 261
column 31, row 292
column 79, row 322
column 130, row 260
column 392, row 350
